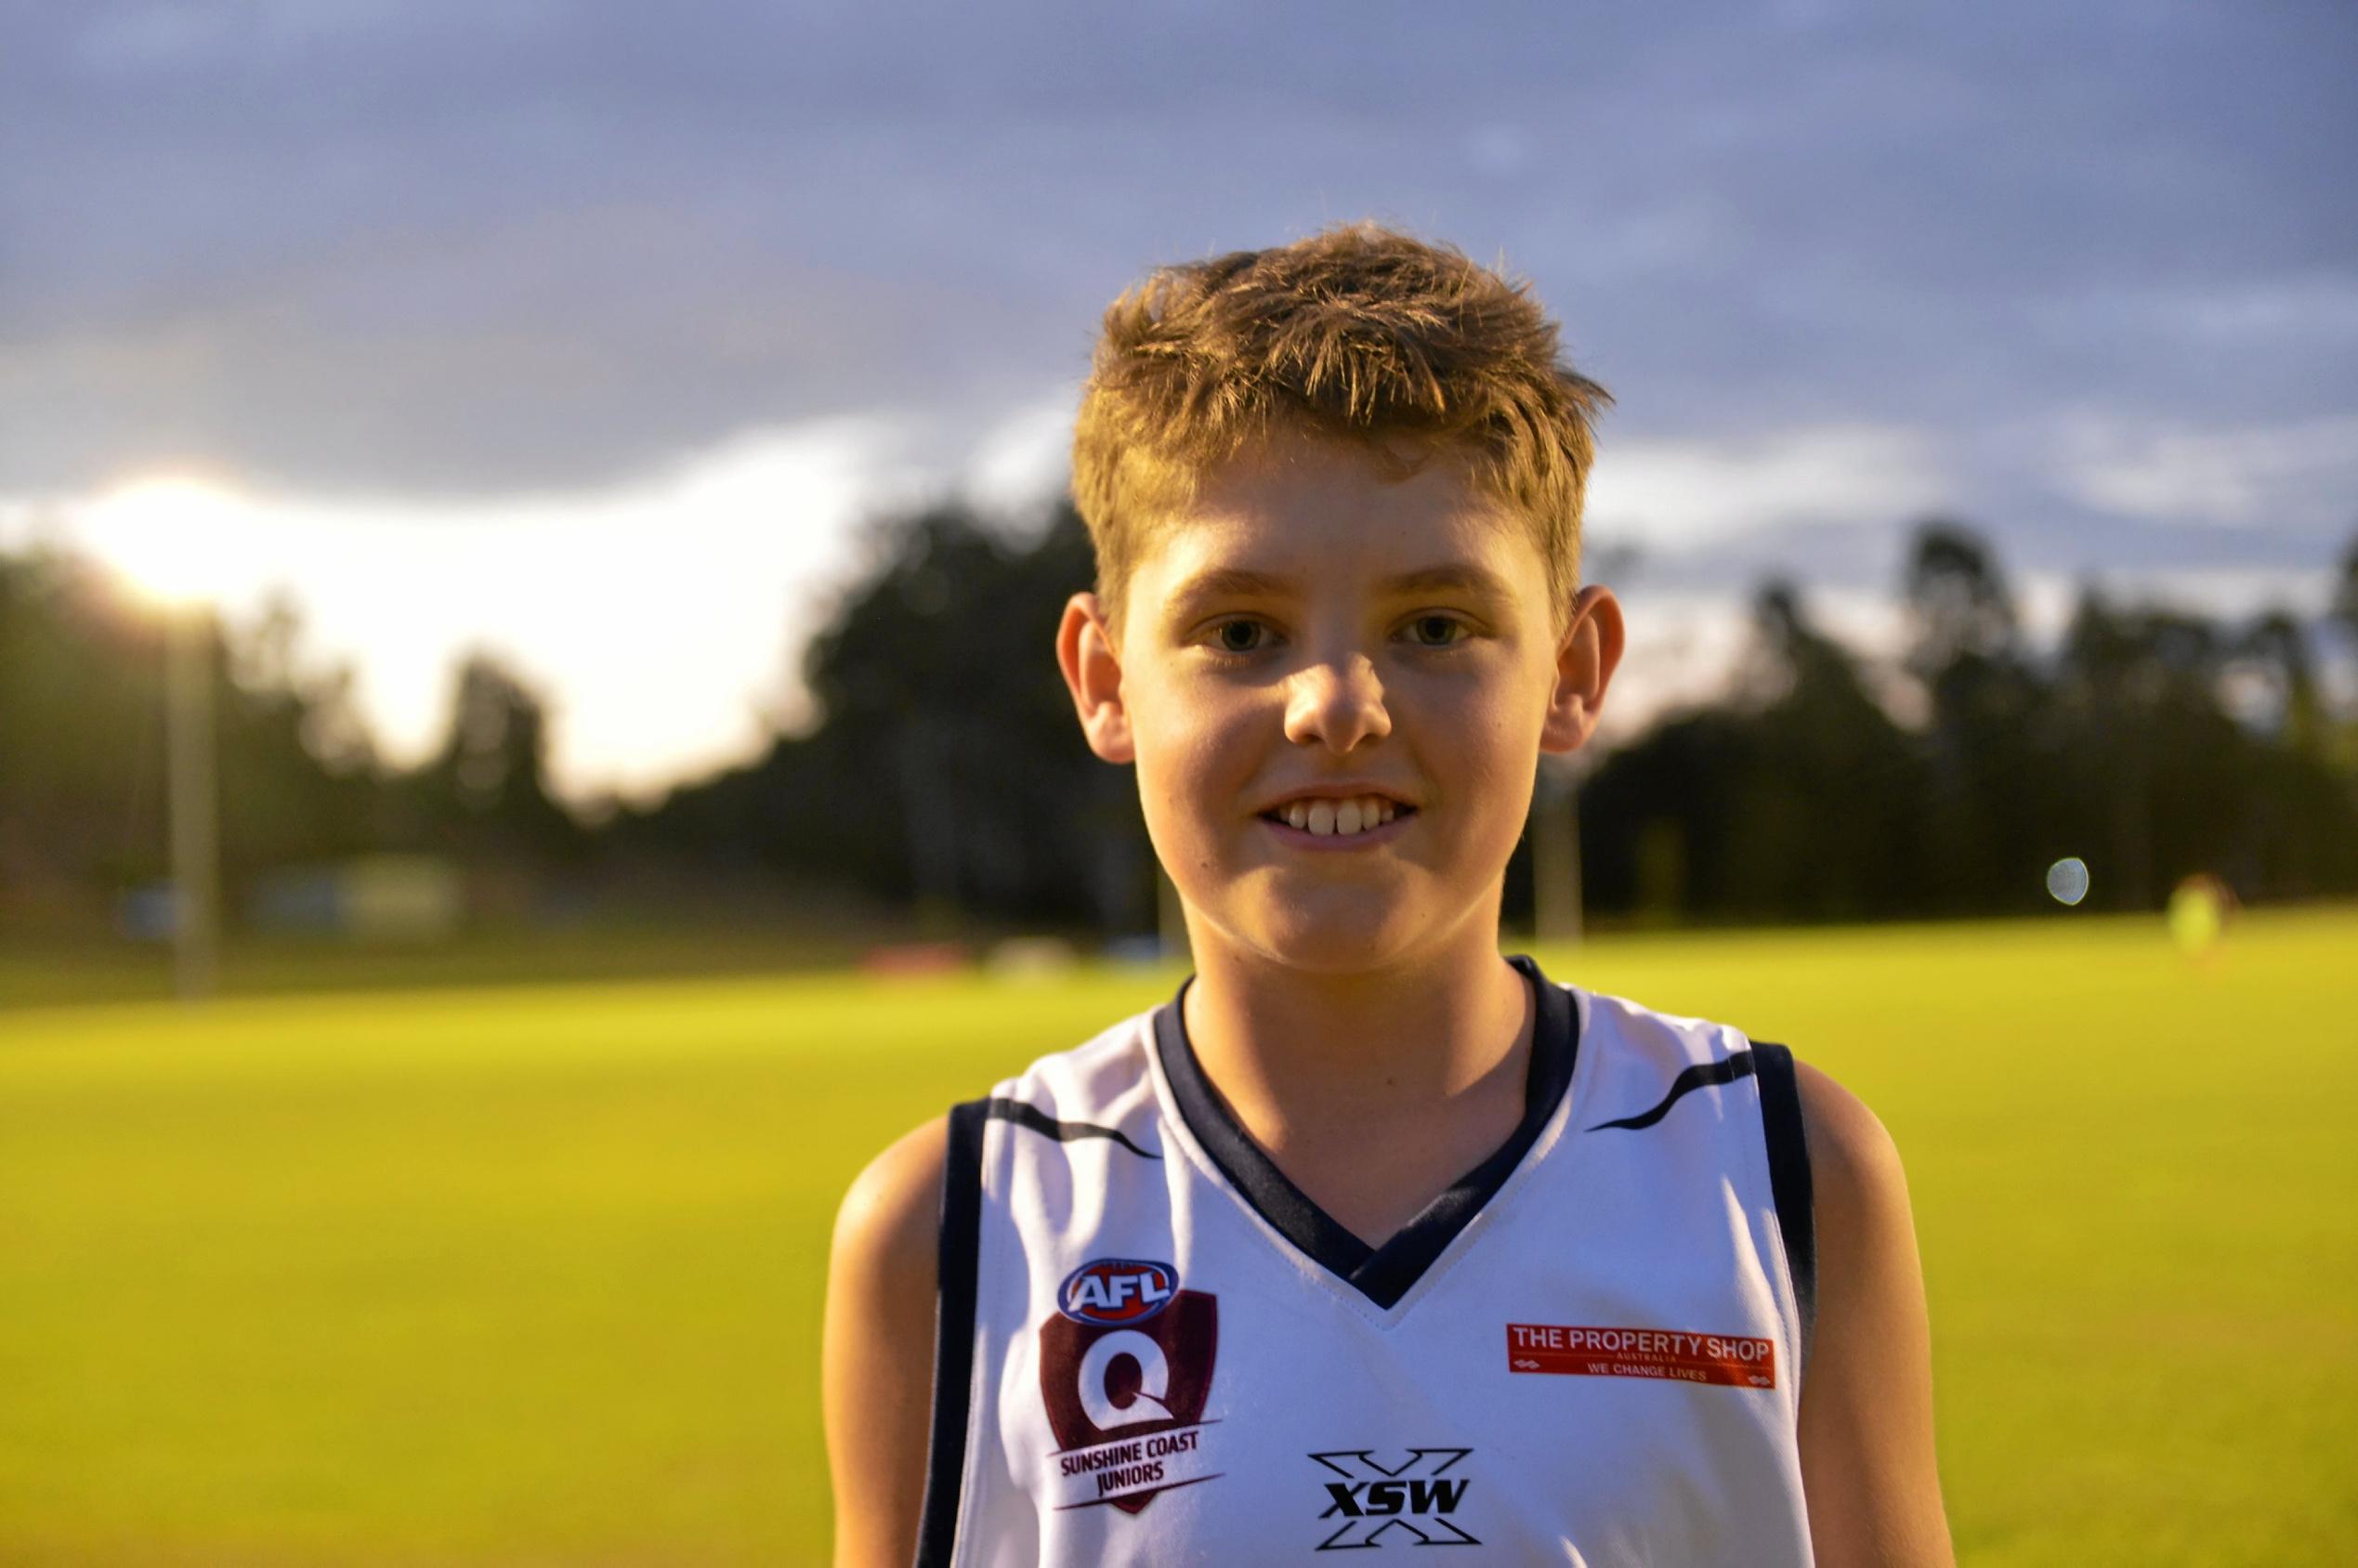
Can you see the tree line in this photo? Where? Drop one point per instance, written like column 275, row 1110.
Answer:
column 2152, row 743
column 83, row 810
column 944, row 771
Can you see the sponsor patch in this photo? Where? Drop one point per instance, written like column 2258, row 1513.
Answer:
column 1738, row 1360
column 1117, row 1291
column 1382, row 1501
column 1126, row 1398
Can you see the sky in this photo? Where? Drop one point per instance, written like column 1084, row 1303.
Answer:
column 591, row 335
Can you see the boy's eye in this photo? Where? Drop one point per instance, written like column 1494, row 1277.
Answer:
column 1239, row 636
column 1435, row 631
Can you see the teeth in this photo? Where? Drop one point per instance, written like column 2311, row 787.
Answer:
column 1339, row 819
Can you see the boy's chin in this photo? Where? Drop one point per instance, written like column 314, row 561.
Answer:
column 1335, row 941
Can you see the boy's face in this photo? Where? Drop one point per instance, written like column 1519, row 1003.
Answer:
column 1308, row 636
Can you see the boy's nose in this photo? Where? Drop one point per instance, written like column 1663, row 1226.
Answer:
column 1336, row 703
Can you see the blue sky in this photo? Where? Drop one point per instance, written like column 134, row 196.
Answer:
column 446, row 290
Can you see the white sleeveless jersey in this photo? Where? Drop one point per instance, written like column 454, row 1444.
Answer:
column 1153, row 1348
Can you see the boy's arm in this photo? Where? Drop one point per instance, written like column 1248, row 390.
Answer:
column 1867, row 1403
column 877, row 1363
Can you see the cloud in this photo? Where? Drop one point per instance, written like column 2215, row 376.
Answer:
column 141, row 40
column 1024, row 459
column 1673, row 495
column 2302, row 312
column 1687, row 648
column 2301, row 474
column 445, row 247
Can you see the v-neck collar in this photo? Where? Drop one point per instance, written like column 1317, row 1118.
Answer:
column 1381, row 1273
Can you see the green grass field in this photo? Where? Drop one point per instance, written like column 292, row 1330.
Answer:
column 532, row 1276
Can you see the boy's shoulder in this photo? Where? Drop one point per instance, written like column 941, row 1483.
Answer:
column 1840, row 1131
column 889, row 1221
column 1102, row 1087
column 1628, row 1027
column 1838, row 1123
column 1107, row 1070
column 1856, row 1188
column 889, row 1225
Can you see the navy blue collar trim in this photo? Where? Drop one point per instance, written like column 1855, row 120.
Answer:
column 1381, row 1273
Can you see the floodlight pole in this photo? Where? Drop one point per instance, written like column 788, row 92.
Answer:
column 193, row 782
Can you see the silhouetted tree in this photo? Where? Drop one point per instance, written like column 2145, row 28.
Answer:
column 82, row 753
column 2155, row 756
column 1990, row 774
column 1829, row 810
column 2345, row 607
column 80, row 728
column 1960, row 609
column 945, row 766
column 486, row 789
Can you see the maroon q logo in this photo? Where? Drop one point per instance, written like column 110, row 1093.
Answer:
column 1105, row 1383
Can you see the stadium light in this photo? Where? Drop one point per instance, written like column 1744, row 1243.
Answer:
column 179, row 541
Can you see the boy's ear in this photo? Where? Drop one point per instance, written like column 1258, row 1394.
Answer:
column 1087, row 653
column 1584, row 664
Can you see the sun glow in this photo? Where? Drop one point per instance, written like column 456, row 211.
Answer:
column 658, row 615
column 178, row 540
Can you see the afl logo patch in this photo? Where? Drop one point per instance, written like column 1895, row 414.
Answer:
column 1117, row 1291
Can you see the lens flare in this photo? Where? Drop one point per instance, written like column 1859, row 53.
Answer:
column 2067, row 880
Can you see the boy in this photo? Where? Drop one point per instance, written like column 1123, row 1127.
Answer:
column 1370, row 1237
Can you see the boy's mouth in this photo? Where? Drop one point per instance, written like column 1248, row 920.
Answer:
column 1348, row 818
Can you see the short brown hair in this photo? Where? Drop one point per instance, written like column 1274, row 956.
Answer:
column 1359, row 334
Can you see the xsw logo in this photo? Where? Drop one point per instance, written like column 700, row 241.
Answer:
column 1379, row 1504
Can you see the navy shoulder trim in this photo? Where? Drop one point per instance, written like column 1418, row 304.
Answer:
column 1040, row 1121
column 953, row 1331
column 1789, row 1157
column 1727, row 1070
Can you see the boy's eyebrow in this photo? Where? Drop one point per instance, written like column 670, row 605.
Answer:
column 1235, row 582
column 1463, row 576
column 1229, row 582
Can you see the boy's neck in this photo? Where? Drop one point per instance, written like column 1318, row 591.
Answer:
column 1443, row 1043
